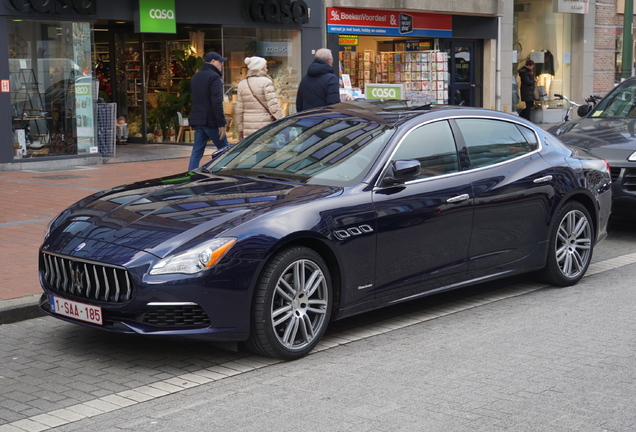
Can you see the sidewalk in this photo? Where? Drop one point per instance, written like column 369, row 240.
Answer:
column 29, row 199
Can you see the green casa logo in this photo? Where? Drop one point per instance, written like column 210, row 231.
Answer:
column 83, row 90
column 384, row 91
column 161, row 14
column 157, row 16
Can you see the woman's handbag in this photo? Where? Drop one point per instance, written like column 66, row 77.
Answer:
column 259, row 101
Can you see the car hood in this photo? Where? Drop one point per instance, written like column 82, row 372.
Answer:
column 161, row 215
column 612, row 139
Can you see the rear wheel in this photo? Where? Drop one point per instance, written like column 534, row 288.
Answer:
column 571, row 246
column 292, row 305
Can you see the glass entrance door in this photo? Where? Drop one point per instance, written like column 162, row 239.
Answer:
column 465, row 84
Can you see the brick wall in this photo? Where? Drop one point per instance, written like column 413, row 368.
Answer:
column 608, row 24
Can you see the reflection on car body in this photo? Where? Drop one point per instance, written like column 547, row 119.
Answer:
column 326, row 214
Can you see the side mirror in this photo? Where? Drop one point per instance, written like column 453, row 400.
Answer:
column 402, row 171
column 584, row 110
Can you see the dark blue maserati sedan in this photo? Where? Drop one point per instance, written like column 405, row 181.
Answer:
column 322, row 215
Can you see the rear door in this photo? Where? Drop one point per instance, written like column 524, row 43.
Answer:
column 513, row 190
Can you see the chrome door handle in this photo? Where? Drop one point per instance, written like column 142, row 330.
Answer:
column 543, row 179
column 458, row 198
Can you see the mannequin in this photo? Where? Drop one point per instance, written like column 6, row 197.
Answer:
column 545, row 71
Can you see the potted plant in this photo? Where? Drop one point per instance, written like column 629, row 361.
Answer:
column 187, row 65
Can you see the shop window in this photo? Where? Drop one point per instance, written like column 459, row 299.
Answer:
column 545, row 37
column 423, row 74
column 280, row 47
column 52, row 88
column 151, row 79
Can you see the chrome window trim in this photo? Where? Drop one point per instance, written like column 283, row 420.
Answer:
column 377, row 186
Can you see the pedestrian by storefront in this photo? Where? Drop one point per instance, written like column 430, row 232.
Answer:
column 257, row 102
column 59, row 60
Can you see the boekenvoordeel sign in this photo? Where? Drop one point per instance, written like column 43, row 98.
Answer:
column 83, row 7
column 388, row 23
column 156, row 16
column 277, row 11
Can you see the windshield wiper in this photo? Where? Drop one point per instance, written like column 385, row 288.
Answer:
column 268, row 177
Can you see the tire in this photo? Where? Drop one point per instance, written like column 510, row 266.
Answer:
column 292, row 305
column 571, row 246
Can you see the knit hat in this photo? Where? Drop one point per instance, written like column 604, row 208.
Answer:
column 255, row 63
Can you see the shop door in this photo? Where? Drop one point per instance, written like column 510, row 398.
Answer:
column 464, row 86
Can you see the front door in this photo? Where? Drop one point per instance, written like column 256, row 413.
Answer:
column 424, row 226
column 465, row 74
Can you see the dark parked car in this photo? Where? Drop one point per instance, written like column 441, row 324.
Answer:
column 322, row 215
column 608, row 131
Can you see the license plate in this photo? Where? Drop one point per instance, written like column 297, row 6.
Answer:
column 77, row 310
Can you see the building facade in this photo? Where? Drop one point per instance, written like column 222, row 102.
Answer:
column 63, row 57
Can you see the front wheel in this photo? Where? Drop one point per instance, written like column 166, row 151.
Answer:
column 571, row 246
column 292, row 305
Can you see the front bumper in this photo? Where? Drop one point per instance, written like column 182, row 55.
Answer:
column 159, row 319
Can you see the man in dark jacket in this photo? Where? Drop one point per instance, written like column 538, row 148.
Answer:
column 526, row 75
column 320, row 87
column 207, row 116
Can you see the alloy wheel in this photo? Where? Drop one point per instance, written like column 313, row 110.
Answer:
column 573, row 244
column 299, row 305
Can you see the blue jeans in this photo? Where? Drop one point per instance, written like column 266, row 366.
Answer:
column 202, row 134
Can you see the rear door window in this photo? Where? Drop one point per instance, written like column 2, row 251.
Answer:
column 491, row 141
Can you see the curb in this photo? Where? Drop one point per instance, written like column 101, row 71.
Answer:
column 19, row 309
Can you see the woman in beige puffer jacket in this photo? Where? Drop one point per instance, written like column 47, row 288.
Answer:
column 250, row 114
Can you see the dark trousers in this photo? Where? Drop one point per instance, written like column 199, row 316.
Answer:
column 525, row 113
column 202, row 134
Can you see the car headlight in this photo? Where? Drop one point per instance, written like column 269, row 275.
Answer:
column 632, row 157
column 196, row 259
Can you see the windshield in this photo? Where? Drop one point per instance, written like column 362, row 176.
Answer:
column 621, row 102
column 313, row 150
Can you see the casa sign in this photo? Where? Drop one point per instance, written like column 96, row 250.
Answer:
column 571, row 6
column 384, row 91
column 156, row 16
column 277, row 11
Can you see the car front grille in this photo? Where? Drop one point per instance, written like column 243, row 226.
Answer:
column 615, row 172
column 85, row 279
column 629, row 180
column 177, row 316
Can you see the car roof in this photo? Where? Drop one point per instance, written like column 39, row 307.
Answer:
column 394, row 112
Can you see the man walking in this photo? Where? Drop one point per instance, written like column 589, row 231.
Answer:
column 207, row 116
column 320, row 86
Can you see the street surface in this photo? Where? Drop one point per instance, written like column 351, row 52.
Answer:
column 513, row 355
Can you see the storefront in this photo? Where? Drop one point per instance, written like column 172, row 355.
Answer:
column 65, row 58
column 555, row 35
column 433, row 57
